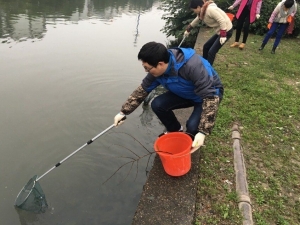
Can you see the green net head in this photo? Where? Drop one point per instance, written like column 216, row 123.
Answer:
column 32, row 197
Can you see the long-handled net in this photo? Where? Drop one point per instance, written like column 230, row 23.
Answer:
column 32, row 197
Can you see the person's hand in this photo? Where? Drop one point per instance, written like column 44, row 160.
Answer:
column 222, row 40
column 257, row 16
column 119, row 119
column 198, row 141
column 231, row 7
column 186, row 33
column 223, row 37
column 269, row 25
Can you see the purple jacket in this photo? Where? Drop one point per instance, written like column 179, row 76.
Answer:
column 255, row 8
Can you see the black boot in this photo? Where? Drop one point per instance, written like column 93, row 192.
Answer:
column 262, row 47
column 273, row 50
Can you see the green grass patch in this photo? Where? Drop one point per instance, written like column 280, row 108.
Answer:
column 262, row 94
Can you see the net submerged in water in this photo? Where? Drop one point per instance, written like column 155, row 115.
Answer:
column 32, row 197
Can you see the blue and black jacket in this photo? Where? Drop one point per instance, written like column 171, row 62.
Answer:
column 188, row 75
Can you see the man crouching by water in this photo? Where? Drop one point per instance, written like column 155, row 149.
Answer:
column 191, row 82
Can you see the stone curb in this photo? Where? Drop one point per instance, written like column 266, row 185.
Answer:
column 241, row 181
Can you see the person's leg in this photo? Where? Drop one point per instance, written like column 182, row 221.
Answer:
column 270, row 33
column 194, row 120
column 207, row 46
column 211, row 47
column 245, row 15
column 246, row 26
column 239, row 27
column 281, row 29
column 229, row 34
column 163, row 106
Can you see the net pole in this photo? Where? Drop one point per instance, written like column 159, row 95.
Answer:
column 73, row 153
column 181, row 41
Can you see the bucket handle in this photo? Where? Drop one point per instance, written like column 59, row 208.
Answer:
column 194, row 150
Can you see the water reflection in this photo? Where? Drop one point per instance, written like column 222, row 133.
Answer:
column 63, row 89
column 137, row 28
column 22, row 20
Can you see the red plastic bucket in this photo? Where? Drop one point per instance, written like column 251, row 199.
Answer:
column 174, row 151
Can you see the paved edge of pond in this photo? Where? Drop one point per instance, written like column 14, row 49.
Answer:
column 167, row 200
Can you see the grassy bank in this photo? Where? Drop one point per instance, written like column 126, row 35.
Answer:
column 261, row 94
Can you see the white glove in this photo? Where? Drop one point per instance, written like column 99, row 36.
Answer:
column 257, row 16
column 186, row 33
column 222, row 40
column 231, row 7
column 198, row 141
column 118, row 119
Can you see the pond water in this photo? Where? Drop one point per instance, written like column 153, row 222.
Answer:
column 66, row 68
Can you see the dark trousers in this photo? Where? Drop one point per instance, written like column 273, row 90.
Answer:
column 213, row 45
column 243, row 20
column 281, row 29
column 163, row 106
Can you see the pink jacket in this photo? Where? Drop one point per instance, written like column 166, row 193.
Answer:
column 255, row 8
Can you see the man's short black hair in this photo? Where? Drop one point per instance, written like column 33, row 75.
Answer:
column 288, row 3
column 153, row 53
column 195, row 3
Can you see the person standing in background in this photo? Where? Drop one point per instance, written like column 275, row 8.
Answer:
column 214, row 17
column 279, row 20
column 248, row 11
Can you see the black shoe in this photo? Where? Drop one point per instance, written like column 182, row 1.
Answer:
column 261, row 47
column 273, row 50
